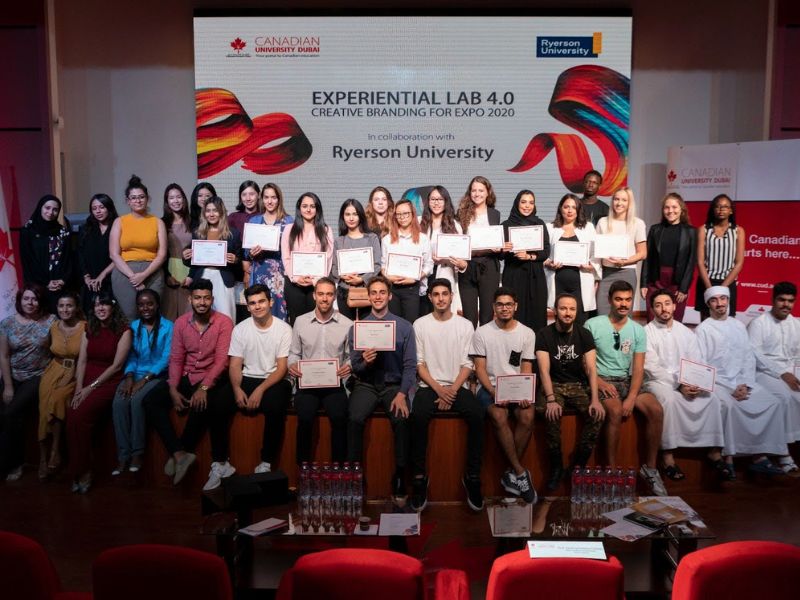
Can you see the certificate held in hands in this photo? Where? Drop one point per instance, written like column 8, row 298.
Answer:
column 259, row 234
column 515, row 388
column 308, row 264
column 407, row 266
column 453, row 245
column 320, row 373
column 487, row 238
column 573, row 254
column 611, row 245
column 355, row 261
column 528, row 237
column 209, row 253
column 375, row 335
column 697, row 374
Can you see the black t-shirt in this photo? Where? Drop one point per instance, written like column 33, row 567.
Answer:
column 566, row 352
column 595, row 212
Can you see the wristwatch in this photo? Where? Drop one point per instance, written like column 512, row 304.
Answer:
column 204, row 387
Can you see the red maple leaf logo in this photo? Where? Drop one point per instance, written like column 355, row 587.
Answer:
column 238, row 44
column 671, row 176
column 6, row 253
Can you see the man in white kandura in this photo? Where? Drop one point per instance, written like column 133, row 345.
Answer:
column 692, row 417
column 753, row 418
column 776, row 340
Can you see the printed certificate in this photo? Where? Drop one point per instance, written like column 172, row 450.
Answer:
column 309, row 264
column 404, row 265
column 318, row 373
column 209, row 253
column 697, row 374
column 259, row 234
column 515, row 388
column 378, row 335
column 487, row 238
column 547, row 549
column 611, row 245
column 453, row 245
column 796, row 369
column 574, row 254
column 529, row 237
column 510, row 520
column 355, row 261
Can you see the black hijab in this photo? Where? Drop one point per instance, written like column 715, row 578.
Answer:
column 38, row 224
column 516, row 219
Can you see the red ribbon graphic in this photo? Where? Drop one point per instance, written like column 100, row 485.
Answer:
column 226, row 135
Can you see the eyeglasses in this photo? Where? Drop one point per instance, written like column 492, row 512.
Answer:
column 616, row 340
column 141, row 197
column 402, row 215
column 502, row 305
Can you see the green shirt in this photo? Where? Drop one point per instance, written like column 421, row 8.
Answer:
column 614, row 360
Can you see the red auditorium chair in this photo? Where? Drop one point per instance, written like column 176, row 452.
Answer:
column 26, row 572
column 739, row 570
column 158, row 572
column 517, row 575
column 365, row 574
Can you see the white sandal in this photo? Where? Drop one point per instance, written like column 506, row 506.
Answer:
column 788, row 465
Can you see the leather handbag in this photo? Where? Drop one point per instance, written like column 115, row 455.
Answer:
column 357, row 297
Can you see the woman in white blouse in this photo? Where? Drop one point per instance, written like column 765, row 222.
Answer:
column 570, row 225
column 405, row 238
column 621, row 220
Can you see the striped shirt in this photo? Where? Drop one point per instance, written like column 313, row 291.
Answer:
column 720, row 252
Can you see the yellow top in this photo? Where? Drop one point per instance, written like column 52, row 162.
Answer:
column 138, row 238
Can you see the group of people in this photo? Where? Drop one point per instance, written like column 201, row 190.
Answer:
column 166, row 334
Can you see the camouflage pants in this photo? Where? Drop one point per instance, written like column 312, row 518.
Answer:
column 575, row 396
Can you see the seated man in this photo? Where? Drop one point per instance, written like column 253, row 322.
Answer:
column 443, row 364
column 566, row 357
column 321, row 335
column 198, row 384
column 504, row 346
column 753, row 419
column 621, row 344
column 259, row 353
column 384, row 377
column 692, row 417
column 776, row 340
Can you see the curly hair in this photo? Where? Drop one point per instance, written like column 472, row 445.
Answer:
column 466, row 208
column 117, row 322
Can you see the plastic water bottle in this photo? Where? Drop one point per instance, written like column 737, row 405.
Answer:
column 619, row 488
column 630, row 486
column 357, row 487
column 597, row 485
column 314, row 501
column 576, row 494
column 304, row 493
column 608, row 486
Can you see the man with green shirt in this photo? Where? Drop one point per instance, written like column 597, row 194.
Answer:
column 621, row 344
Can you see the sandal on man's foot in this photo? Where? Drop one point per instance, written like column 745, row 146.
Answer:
column 723, row 470
column 674, row 472
column 764, row 467
column 789, row 467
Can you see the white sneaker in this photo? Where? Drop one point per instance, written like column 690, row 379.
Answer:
column 653, row 479
column 16, row 474
column 219, row 471
column 263, row 467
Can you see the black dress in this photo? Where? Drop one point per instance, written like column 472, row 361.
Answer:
column 526, row 277
column 93, row 257
column 46, row 256
column 568, row 281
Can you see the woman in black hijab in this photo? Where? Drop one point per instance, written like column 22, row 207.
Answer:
column 523, row 271
column 45, row 249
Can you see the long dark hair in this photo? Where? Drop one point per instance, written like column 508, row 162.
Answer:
column 169, row 216
column 259, row 205
column 275, row 188
column 448, row 216
column 194, row 205
column 117, row 323
column 157, row 323
column 93, row 224
column 580, row 215
column 320, row 229
column 362, row 216
column 710, row 219
column 466, row 208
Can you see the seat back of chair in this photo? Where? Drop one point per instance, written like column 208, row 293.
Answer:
column 158, row 572
column 26, row 572
column 516, row 575
column 739, row 570
column 354, row 574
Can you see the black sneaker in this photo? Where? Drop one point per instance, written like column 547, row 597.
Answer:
column 509, row 483
column 419, row 493
column 525, row 487
column 398, row 485
column 474, row 497
column 556, row 475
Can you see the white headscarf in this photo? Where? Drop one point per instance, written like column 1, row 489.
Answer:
column 714, row 291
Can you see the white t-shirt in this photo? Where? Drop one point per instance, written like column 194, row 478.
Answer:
column 260, row 348
column 607, row 225
column 443, row 346
column 501, row 348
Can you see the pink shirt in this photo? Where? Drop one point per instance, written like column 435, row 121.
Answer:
column 307, row 243
column 200, row 355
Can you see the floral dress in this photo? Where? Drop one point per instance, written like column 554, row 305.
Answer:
column 267, row 269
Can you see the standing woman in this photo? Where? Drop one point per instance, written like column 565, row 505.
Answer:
column 249, row 206
column 380, row 209
column 202, row 193
column 621, row 220
column 265, row 266
column 24, row 353
column 524, row 270
column 214, row 226
column 93, row 257
column 104, row 348
column 671, row 255
column 353, row 234
column 179, row 237
column 482, row 277
column 138, row 247
column 308, row 233
column 57, row 385
column 720, row 252
column 439, row 216
column 406, row 238
column 45, row 250
column 145, row 373
column 570, row 225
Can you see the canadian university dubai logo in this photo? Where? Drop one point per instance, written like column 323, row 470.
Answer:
column 671, row 176
column 238, row 45
column 569, row 46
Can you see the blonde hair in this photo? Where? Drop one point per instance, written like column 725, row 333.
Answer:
column 224, row 228
column 630, row 216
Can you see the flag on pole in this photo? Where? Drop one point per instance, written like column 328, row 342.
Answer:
column 8, row 270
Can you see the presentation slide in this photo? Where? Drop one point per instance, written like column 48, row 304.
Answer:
column 339, row 105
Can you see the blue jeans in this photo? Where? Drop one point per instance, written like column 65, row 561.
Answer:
column 129, row 418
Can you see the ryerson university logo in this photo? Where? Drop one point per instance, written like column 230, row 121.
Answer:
column 569, row 46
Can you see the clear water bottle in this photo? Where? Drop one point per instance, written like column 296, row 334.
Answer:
column 303, row 493
column 357, row 487
column 314, row 501
column 576, row 493
column 619, row 488
column 608, row 486
column 630, row 486
column 597, row 485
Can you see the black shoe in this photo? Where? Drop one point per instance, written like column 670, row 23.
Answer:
column 525, row 487
column 556, row 475
column 474, row 497
column 419, row 493
column 509, row 483
column 398, row 485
